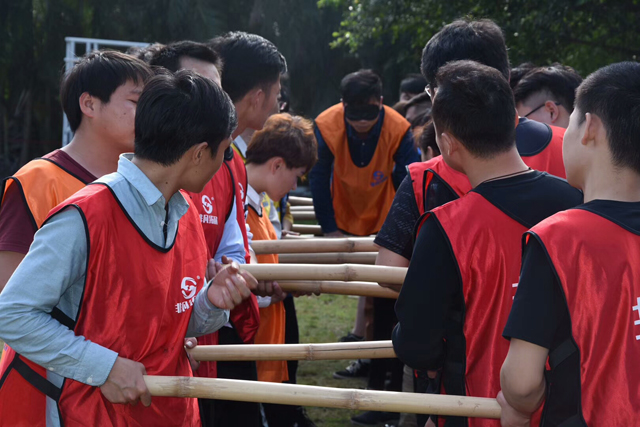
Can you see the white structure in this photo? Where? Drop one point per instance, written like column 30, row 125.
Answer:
column 71, row 58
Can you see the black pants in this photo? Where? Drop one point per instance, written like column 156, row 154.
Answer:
column 384, row 320
column 229, row 413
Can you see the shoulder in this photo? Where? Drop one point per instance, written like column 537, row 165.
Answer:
column 562, row 190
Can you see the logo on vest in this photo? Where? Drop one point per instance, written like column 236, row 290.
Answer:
column 189, row 290
column 637, row 322
column 207, row 204
column 378, row 178
column 241, row 191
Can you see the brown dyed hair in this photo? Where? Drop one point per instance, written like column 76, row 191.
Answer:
column 286, row 136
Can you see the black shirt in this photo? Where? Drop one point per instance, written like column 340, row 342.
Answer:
column 432, row 289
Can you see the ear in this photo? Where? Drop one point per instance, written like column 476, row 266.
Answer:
column 553, row 110
column 276, row 164
column 593, row 129
column 88, row 104
column 257, row 98
column 381, row 103
column 199, row 152
column 448, row 143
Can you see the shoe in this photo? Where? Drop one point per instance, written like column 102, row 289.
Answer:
column 374, row 418
column 351, row 338
column 302, row 419
column 356, row 369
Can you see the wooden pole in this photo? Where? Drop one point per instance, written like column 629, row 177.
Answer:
column 301, row 209
column 297, row 201
column 329, row 258
column 349, row 244
column 294, row 237
column 304, row 216
column 332, row 351
column 310, row 229
column 324, row 397
column 346, row 272
column 363, row 289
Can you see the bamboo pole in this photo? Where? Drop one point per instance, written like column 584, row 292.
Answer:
column 331, row 351
column 294, row 237
column 324, row 397
column 346, row 272
column 297, row 201
column 301, row 209
column 329, row 258
column 310, row 229
column 304, row 216
column 348, row 244
column 363, row 289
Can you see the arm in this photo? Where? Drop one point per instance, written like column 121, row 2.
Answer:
column 232, row 243
column 320, row 183
column 428, row 292
column 392, row 259
column 522, row 376
column 9, row 261
column 405, row 155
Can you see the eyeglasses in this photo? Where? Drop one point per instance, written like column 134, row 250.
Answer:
column 430, row 92
column 539, row 107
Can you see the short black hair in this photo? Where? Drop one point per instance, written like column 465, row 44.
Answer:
column 99, row 73
column 613, row 94
column 519, row 72
column 249, row 61
column 358, row 88
column 474, row 103
column 481, row 41
column 413, row 83
column 169, row 56
column 557, row 79
column 144, row 53
column 176, row 112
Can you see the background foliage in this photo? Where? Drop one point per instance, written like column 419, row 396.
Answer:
column 322, row 41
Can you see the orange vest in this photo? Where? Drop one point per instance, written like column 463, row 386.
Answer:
column 361, row 196
column 272, row 318
column 44, row 185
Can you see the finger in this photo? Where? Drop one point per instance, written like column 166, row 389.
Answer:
column 145, row 395
column 252, row 282
column 277, row 290
column 233, row 267
column 226, row 260
column 234, row 291
column 190, row 342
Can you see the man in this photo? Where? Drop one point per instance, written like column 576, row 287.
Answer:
column 468, row 249
column 546, row 94
column 140, row 269
column 411, row 86
column 99, row 97
column 578, row 296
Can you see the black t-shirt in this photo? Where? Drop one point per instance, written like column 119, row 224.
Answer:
column 432, row 289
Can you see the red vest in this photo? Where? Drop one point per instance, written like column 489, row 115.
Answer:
column 550, row 158
column 141, row 313
column 436, row 183
column 488, row 253
column 596, row 262
column 362, row 196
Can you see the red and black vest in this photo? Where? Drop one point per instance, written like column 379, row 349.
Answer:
column 596, row 263
column 147, row 310
column 488, row 253
column 548, row 158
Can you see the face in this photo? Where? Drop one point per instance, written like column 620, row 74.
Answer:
column 282, row 179
column 573, row 151
column 267, row 105
column 115, row 119
column 207, row 167
column 364, row 126
column 205, row 69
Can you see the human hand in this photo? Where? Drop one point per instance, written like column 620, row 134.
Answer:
column 286, row 233
column 395, row 288
column 125, row 383
column 214, row 267
column 270, row 289
column 230, row 287
column 190, row 343
column 336, row 233
column 511, row 417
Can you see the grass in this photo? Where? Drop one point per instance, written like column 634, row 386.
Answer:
column 323, row 319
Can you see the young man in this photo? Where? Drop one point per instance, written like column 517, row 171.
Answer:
column 85, row 269
column 578, row 296
column 368, row 146
column 546, row 94
column 411, row 86
column 99, row 97
column 468, row 249
column 277, row 156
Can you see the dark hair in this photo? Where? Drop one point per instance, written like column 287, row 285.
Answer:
column 474, row 103
column 178, row 111
column 519, row 72
column 99, row 73
column 249, row 61
column 427, row 138
column 421, row 119
column 422, row 98
column 613, row 94
column 557, row 79
column 286, row 136
column 169, row 56
column 481, row 41
column 144, row 53
column 358, row 88
column 413, row 83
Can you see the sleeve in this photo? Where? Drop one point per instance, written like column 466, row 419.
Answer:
column 288, row 216
column 320, row 183
column 16, row 227
column 396, row 233
column 430, row 287
column 405, row 155
column 54, row 269
column 206, row 317
column 538, row 301
column 232, row 242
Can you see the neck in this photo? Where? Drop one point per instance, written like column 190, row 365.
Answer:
column 241, row 111
column 607, row 182
column 481, row 170
column 165, row 178
column 95, row 154
column 255, row 177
